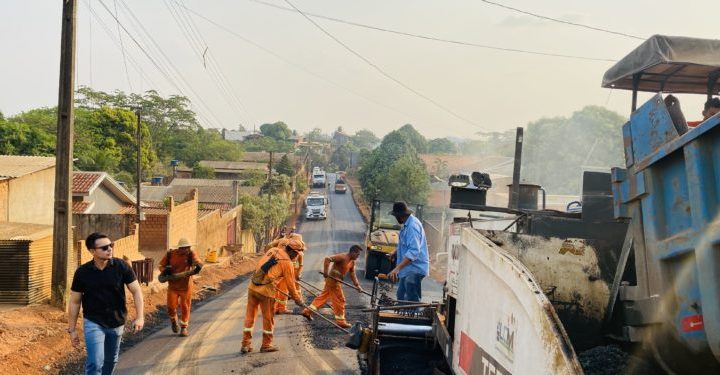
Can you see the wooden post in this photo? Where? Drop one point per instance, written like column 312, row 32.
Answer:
column 62, row 228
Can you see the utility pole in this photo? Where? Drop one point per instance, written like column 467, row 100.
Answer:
column 138, row 170
column 62, row 225
column 270, row 167
column 515, row 191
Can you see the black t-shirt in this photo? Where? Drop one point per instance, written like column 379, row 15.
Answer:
column 103, row 291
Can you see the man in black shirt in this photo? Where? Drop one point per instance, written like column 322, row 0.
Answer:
column 100, row 286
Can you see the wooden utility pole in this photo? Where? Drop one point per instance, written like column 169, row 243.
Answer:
column 267, row 223
column 515, row 191
column 138, row 169
column 62, row 228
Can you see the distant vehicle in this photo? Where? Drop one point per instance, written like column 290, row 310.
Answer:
column 316, row 206
column 319, row 178
column 340, row 186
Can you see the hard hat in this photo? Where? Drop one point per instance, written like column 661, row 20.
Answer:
column 183, row 243
column 296, row 236
column 296, row 244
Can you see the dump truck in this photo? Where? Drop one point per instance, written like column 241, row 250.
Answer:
column 340, row 185
column 635, row 264
column 382, row 237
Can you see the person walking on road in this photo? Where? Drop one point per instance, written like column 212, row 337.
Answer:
column 99, row 286
column 342, row 264
column 177, row 266
column 274, row 266
column 281, row 297
column 411, row 255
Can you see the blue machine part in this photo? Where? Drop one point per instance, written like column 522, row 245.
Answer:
column 671, row 189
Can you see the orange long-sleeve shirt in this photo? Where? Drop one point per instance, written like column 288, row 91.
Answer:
column 283, row 270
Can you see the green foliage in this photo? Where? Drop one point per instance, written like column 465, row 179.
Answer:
column 278, row 131
column 364, row 139
column 495, row 143
column 302, row 185
column 267, row 144
column 279, row 184
column 257, row 211
column 200, row 171
column 285, row 167
column 126, row 178
column 315, row 135
column 341, row 156
column 440, row 168
column 393, row 171
column 441, row 146
column 416, row 139
column 17, row 138
column 557, row 149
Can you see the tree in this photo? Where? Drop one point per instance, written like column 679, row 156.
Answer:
column 441, row 146
column 556, row 149
column 278, row 131
column 23, row 139
column 315, row 135
column 257, row 211
column 365, row 139
column 279, row 185
column 341, row 156
column 441, row 168
column 285, row 167
column 200, row 171
column 406, row 180
column 415, row 138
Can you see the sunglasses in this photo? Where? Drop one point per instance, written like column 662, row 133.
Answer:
column 105, row 248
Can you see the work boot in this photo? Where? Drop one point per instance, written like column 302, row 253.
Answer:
column 343, row 323
column 246, row 349
column 184, row 331
column 307, row 314
column 281, row 311
column 175, row 327
column 269, row 349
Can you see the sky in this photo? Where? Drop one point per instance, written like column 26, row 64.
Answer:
column 245, row 62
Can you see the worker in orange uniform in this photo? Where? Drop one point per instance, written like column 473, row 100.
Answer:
column 280, row 238
column 273, row 267
column 176, row 267
column 342, row 264
column 281, row 297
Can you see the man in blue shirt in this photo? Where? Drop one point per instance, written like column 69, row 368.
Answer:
column 411, row 254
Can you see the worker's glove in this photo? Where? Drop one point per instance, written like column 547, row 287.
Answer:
column 300, row 303
column 297, row 277
column 197, row 269
column 266, row 267
column 325, row 275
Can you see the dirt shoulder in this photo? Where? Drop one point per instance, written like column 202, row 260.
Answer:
column 358, row 197
column 33, row 338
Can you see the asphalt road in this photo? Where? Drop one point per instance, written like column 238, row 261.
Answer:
column 216, row 327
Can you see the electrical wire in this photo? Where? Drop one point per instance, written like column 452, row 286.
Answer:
column 437, row 39
column 383, row 73
column 561, row 21
column 122, row 48
column 293, row 64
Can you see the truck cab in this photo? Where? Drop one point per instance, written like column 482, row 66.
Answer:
column 319, row 178
column 340, row 185
column 316, row 206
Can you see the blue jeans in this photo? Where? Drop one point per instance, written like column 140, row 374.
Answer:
column 103, row 348
column 410, row 287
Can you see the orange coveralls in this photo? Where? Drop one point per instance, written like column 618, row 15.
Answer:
column 263, row 296
column 342, row 264
column 180, row 290
column 281, row 299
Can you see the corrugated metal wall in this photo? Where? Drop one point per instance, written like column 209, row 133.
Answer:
column 25, row 271
column 13, row 271
column 40, row 270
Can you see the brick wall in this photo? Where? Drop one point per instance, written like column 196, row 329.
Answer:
column 212, row 229
column 153, row 233
column 182, row 220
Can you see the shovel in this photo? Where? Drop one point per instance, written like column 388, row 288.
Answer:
column 320, row 315
column 348, row 284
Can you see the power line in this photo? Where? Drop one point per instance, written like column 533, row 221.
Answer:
column 200, row 47
column 292, row 64
column 382, row 72
column 437, row 39
column 122, row 48
column 561, row 21
column 144, row 51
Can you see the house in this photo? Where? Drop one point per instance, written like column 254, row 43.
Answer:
column 239, row 136
column 98, row 193
column 27, row 189
column 212, row 194
column 26, row 269
column 233, row 170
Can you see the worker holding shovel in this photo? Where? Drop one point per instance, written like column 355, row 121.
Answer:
column 342, row 264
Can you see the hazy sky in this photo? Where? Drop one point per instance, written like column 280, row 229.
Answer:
column 286, row 69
